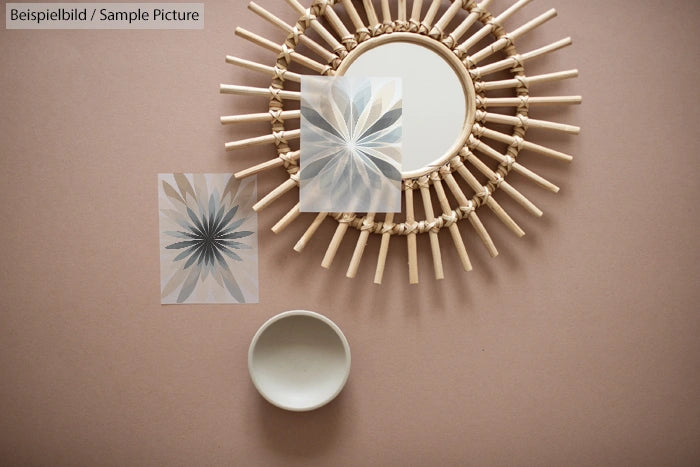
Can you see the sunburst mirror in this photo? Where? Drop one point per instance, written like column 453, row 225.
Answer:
column 453, row 55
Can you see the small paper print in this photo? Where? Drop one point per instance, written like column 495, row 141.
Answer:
column 208, row 238
column 350, row 157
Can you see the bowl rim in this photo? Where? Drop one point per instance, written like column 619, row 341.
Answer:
column 288, row 314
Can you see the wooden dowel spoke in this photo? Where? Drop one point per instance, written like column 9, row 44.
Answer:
column 298, row 7
column 516, row 60
column 504, row 216
column 464, row 26
column 484, row 148
column 403, row 12
column 337, row 24
column 527, row 100
column 256, row 169
column 487, row 28
column 265, row 92
column 526, row 122
column 547, row 49
column 301, row 244
column 258, row 40
column 354, row 15
column 538, row 179
column 267, row 16
column 384, row 247
column 273, row 71
column 281, row 136
column 431, row 14
column 371, row 13
column 520, row 199
column 286, row 220
column 483, row 234
column 433, row 233
column 303, row 38
column 386, row 12
column 451, row 223
column 485, row 194
column 411, row 238
column 468, row 206
column 274, row 194
column 295, row 56
column 416, row 11
column 367, row 223
column 439, row 28
column 525, row 80
column 261, row 117
column 532, row 24
column 498, row 181
column 508, row 139
column 267, row 165
column 335, row 242
column 317, row 26
column 511, row 36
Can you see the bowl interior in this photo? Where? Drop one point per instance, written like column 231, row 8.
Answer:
column 299, row 360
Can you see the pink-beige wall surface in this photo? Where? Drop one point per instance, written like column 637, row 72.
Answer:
column 577, row 345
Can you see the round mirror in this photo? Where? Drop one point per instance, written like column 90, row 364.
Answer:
column 438, row 95
column 449, row 149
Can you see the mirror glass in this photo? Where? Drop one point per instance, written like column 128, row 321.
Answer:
column 434, row 100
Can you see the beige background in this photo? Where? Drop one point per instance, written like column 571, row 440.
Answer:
column 578, row 345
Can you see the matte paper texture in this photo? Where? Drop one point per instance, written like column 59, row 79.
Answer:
column 350, row 156
column 208, row 239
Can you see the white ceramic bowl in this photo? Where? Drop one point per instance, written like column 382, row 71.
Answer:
column 299, row 360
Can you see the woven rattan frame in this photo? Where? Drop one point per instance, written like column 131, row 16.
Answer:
column 464, row 156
